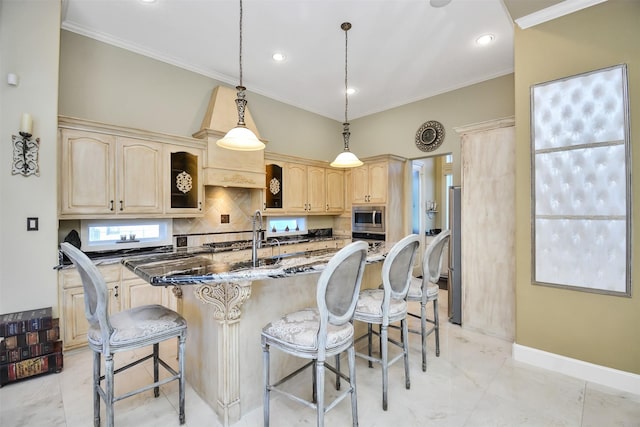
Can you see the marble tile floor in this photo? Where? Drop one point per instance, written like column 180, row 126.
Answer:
column 474, row 382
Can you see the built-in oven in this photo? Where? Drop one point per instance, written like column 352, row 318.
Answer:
column 367, row 219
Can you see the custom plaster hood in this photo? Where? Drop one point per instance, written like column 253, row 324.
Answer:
column 223, row 167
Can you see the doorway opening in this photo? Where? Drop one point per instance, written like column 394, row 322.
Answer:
column 431, row 179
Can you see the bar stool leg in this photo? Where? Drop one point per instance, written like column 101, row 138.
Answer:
column 423, row 326
column 436, row 319
column 405, row 349
column 265, row 381
column 351, row 352
column 96, row 385
column 385, row 365
column 181, row 345
column 108, row 377
column 319, row 389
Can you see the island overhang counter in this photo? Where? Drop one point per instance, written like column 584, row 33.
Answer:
column 227, row 305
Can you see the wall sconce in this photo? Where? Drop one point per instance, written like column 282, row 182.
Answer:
column 25, row 149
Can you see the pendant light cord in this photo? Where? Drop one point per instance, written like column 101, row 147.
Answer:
column 346, row 97
column 240, row 42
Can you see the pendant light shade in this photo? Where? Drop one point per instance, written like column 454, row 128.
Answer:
column 240, row 138
column 346, row 159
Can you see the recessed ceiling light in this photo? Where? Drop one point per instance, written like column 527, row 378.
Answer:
column 439, row 3
column 351, row 91
column 278, row 57
column 148, row 1
column 485, row 39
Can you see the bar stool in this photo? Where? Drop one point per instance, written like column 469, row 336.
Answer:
column 318, row 333
column 389, row 305
column 126, row 330
column 426, row 289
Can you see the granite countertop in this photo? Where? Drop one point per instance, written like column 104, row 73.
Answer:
column 193, row 269
column 116, row 256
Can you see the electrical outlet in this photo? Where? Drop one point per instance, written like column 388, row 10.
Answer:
column 181, row 241
column 224, row 219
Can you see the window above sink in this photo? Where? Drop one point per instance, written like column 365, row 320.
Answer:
column 100, row 235
column 285, row 226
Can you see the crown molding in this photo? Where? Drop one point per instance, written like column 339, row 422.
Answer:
column 556, row 11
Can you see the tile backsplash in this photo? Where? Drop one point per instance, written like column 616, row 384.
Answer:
column 237, row 203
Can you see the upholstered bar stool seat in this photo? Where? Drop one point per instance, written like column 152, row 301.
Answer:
column 425, row 289
column 388, row 305
column 299, row 332
column 317, row 333
column 127, row 330
column 369, row 307
column 138, row 326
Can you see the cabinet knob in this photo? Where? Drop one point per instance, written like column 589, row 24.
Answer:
column 121, row 205
column 199, row 206
column 115, row 288
column 111, row 205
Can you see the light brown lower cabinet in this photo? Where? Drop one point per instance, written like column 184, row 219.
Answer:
column 125, row 291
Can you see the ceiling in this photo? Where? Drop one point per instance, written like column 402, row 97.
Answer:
column 399, row 51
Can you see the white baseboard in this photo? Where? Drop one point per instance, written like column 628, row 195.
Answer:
column 621, row 380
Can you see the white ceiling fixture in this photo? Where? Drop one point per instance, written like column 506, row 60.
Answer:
column 279, row 57
column 346, row 159
column 439, row 3
column 240, row 138
column 485, row 39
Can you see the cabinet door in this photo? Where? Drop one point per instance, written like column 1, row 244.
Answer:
column 295, row 188
column 74, row 331
column 86, row 173
column 316, row 185
column 378, row 182
column 138, row 292
column 360, row 184
column 335, row 190
column 139, row 165
column 184, row 185
column 273, row 187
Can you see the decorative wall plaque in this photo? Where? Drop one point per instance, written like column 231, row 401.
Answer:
column 430, row 136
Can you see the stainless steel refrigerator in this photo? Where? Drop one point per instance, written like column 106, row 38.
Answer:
column 454, row 284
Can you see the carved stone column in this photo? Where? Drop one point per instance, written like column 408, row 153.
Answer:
column 227, row 298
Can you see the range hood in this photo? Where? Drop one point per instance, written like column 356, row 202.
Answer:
column 228, row 168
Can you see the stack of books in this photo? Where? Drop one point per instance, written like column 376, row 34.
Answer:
column 29, row 345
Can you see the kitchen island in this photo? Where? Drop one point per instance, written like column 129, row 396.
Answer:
column 227, row 305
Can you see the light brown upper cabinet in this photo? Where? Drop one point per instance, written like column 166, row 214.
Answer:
column 109, row 171
column 369, row 183
column 302, row 186
column 304, row 190
column 335, row 190
column 102, row 174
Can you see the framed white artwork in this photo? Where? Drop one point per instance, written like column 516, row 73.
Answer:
column 581, row 182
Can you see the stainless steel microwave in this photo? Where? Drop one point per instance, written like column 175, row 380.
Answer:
column 368, row 219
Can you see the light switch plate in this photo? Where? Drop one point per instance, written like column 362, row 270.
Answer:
column 32, row 224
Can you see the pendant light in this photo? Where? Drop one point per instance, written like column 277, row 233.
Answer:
column 346, row 159
column 240, row 138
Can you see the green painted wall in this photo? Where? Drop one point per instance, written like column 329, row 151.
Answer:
column 595, row 328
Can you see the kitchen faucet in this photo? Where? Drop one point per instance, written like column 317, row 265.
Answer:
column 257, row 240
